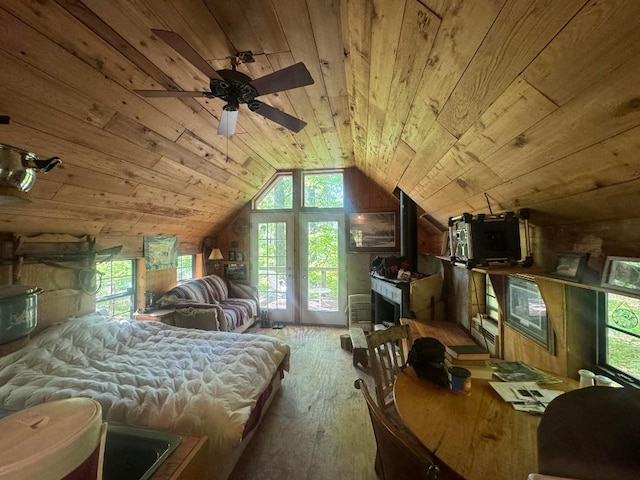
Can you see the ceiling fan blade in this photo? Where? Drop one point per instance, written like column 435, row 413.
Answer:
column 292, row 123
column 290, row 77
column 168, row 93
column 178, row 43
column 227, row 125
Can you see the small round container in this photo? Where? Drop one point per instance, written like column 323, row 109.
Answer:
column 18, row 311
column 459, row 380
column 603, row 381
column 587, row 378
column 52, row 441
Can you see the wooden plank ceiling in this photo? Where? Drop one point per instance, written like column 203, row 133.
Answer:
column 519, row 103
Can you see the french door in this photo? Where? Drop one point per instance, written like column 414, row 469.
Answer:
column 322, row 268
column 272, row 247
column 309, row 288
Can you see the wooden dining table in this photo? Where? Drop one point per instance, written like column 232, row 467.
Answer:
column 479, row 436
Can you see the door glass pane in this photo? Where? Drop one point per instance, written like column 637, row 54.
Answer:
column 272, row 265
column 322, row 282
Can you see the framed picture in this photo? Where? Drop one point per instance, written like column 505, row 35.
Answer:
column 160, row 253
column 622, row 273
column 570, row 265
column 235, row 271
column 527, row 312
column 372, row 231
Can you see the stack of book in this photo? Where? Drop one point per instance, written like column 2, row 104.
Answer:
column 473, row 357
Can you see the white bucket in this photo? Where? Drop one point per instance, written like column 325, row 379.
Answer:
column 52, row 441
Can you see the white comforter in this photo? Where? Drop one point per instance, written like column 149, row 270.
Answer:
column 148, row 374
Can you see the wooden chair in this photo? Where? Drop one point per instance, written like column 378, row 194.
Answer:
column 388, row 350
column 400, row 455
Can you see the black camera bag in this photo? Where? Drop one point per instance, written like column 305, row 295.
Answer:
column 427, row 359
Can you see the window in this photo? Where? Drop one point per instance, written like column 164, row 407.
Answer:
column 185, row 267
column 619, row 336
column 320, row 189
column 116, row 287
column 278, row 196
column 323, row 190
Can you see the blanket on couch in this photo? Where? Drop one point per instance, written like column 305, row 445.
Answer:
column 234, row 306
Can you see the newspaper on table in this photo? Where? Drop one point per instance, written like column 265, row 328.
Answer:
column 525, row 396
column 521, row 372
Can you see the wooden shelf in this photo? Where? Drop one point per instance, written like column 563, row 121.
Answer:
column 538, row 274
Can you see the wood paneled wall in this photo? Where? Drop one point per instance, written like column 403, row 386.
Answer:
column 571, row 311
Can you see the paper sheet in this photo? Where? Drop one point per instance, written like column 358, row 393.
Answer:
column 525, row 396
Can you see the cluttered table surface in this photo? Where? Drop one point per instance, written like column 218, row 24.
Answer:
column 480, row 435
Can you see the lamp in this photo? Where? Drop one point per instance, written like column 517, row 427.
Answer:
column 216, row 255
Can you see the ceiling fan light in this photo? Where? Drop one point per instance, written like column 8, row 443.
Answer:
column 228, row 119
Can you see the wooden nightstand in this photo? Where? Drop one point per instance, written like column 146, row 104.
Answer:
column 154, row 315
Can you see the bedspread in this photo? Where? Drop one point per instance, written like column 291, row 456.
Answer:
column 148, row 374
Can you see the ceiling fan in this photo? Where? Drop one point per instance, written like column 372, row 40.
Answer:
column 235, row 87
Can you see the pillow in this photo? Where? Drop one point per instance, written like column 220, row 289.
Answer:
column 242, row 291
column 203, row 319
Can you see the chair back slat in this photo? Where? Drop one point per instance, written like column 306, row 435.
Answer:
column 388, row 350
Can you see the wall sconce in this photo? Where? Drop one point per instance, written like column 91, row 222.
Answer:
column 216, row 256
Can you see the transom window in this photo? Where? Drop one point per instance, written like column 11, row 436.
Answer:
column 297, row 189
column 619, row 336
column 278, row 196
column 185, row 268
column 323, row 190
column 116, row 287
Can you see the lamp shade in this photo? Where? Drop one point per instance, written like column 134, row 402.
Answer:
column 215, row 254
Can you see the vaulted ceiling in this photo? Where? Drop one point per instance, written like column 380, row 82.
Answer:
column 461, row 104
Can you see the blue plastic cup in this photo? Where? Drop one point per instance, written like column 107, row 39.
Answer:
column 459, row 380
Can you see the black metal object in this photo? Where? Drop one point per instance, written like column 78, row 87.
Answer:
column 234, row 87
column 483, row 239
column 409, row 230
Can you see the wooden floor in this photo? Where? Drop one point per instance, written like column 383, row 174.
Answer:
column 318, row 426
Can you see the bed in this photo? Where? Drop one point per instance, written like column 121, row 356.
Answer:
column 153, row 375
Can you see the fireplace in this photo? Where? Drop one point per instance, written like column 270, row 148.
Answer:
column 389, row 297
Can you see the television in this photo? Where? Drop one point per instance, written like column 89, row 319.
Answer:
column 483, row 239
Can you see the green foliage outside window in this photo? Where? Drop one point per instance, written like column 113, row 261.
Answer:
column 623, row 334
column 185, row 268
column 116, row 281
column 323, row 190
column 279, row 196
column 323, row 256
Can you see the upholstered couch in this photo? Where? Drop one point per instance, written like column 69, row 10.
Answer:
column 212, row 303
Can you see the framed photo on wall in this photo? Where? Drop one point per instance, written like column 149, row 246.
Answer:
column 527, row 312
column 160, row 253
column 570, row 265
column 622, row 274
column 372, row 231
